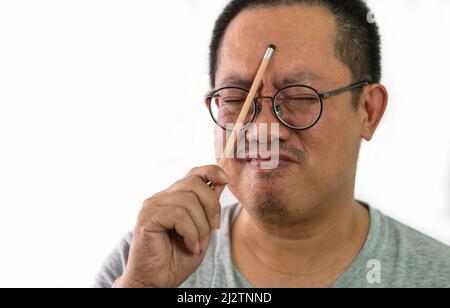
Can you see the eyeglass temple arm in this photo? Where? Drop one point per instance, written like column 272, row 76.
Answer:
column 345, row 89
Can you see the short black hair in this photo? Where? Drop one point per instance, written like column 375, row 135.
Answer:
column 358, row 42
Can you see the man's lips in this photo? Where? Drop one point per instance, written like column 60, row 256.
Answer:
column 282, row 158
column 271, row 159
column 273, row 162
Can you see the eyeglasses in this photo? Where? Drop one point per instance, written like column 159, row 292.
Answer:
column 298, row 107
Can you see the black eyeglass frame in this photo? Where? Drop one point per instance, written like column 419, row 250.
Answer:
column 256, row 110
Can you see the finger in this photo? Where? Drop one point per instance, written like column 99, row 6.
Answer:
column 211, row 173
column 190, row 202
column 207, row 197
column 180, row 221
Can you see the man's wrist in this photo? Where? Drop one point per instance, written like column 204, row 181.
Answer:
column 123, row 282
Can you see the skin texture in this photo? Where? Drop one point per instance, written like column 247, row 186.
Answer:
column 300, row 225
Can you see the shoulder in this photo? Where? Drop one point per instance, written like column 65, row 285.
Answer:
column 415, row 257
column 413, row 241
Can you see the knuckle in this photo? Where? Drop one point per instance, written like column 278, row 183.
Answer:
column 140, row 232
column 193, row 170
column 152, row 201
column 148, row 202
column 190, row 180
column 203, row 170
column 191, row 198
column 179, row 213
column 190, row 205
column 213, row 168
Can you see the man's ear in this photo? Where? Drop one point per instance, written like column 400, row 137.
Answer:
column 372, row 106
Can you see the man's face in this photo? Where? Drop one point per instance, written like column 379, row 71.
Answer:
column 321, row 161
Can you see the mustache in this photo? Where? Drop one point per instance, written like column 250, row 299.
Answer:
column 294, row 151
column 284, row 149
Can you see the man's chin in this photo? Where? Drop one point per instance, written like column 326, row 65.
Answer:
column 268, row 206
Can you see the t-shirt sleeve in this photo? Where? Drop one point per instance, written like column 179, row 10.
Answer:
column 114, row 265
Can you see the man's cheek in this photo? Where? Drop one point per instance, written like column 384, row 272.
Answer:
column 322, row 158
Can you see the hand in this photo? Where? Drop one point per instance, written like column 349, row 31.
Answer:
column 173, row 231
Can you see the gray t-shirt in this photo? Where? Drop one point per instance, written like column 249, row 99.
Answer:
column 393, row 255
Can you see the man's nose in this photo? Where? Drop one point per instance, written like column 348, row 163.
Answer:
column 264, row 111
column 263, row 128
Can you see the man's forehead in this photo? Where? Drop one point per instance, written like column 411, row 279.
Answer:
column 294, row 25
column 304, row 36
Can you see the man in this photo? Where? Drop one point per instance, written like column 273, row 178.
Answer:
column 297, row 225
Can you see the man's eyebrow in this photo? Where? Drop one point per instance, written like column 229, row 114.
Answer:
column 299, row 77
column 236, row 81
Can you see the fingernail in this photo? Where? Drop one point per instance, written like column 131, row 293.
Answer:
column 217, row 221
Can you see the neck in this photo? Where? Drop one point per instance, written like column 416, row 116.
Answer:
column 316, row 244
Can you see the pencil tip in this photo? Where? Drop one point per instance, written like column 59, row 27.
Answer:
column 272, row 46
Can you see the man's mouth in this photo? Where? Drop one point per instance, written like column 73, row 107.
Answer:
column 272, row 162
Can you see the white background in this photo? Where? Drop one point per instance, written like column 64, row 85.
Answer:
column 101, row 106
